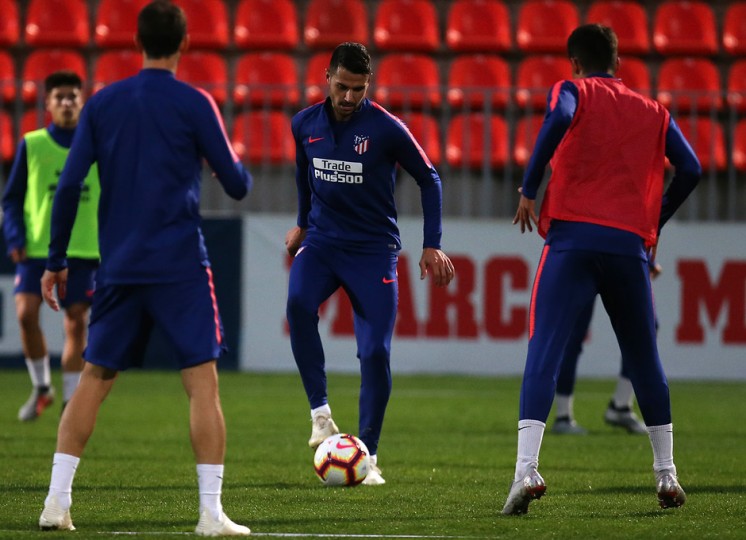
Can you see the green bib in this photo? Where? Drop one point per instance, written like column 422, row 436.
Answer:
column 45, row 159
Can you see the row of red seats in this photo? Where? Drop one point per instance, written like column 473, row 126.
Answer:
column 401, row 80
column 408, row 25
column 264, row 136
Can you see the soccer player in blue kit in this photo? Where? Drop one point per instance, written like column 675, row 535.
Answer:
column 148, row 134
column 347, row 149
column 601, row 215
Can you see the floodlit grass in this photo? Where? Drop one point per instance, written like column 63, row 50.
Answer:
column 447, row 452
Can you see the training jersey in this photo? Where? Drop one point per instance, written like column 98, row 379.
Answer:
column 346, row 175
column 27, row 201
column 148, row 134
column 563, row 103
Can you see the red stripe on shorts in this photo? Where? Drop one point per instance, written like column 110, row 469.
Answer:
column 531, row 314
column 214, row 305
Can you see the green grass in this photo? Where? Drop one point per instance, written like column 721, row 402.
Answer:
column 447, row 452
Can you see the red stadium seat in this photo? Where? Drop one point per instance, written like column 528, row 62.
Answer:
column 7, row 78
column 112, row 66
column 207, row 21
column 473, row 77
column 10, row 27
column 478, row 25
column 739, row 145
column 331, row 22
column 41, row 63
column 205, row 70
column 685, row 84
column 266, row 24
column 525, row 138
column 543, row 25
column 737, row 86
column 685, row 28
column 408, row 81
column 425, row 130
column 33, row 119
column 266, row 79
column 734, row 29
column 473, row 140
column 116, row 22
column 406, row 25
column 629, row 21
column 635, row 74
column 263, row 137
column 536, row 76
column 57, row 23
column 315, row 79
column 707, row 140
column 7, row 144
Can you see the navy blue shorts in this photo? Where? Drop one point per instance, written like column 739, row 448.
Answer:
column 80, row 279
column 123, row 317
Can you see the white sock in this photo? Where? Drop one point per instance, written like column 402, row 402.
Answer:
column 563, row 406
column 624, row 393
column 325, row 409
column 61, row 484
column 530, row 433
column 70, row 380
column 39, row 371
column 661, row 439
column 210, row 478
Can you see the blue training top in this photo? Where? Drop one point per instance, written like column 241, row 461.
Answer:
column 148, row 134
column 346, row 175
column 578, row 235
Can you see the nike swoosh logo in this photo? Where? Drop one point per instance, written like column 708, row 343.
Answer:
column 312, row 140
column 343, row 446
column 387, row 281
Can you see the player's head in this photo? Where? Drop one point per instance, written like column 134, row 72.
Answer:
column 592, row 48
column 161, row 29
column 348, row 76
column 64, row 97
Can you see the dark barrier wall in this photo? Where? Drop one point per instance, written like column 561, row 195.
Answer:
column 223, row 238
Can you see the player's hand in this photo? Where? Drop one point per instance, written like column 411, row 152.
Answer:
column 48, row 282
column 293, row 239
column 438, row 264
column 18, row 255
column 526, row 213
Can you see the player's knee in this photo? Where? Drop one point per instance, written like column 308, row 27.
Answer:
column 297, row 309
column 28, row 320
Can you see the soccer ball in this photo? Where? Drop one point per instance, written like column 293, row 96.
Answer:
column 341, row 460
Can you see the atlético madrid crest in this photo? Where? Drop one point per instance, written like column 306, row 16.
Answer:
column 361, row 143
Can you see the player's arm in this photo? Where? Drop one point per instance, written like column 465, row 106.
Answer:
column 65, row 208
column 215, row 146
column 412, row 158
column 295, row 236
column 687, row 172
column 562, row 101
column 14, row 197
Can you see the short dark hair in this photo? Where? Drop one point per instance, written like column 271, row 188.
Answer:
column 64, row 77
column 595, row 46
column 161, row 27
column 353, row 57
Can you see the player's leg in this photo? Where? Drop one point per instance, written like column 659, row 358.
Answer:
column 76, row 427
column 75, row 324
column 563, row 289
column 628, row 299
column 187, row 314
column 370, row 281
column 28, row 303
column 76, row 304
column 619, row 412
column 564, row 422
column 312, row 280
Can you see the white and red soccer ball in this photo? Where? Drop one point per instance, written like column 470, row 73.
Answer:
column 341, row 460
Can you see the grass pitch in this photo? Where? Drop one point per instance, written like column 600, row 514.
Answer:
column 447, row 453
